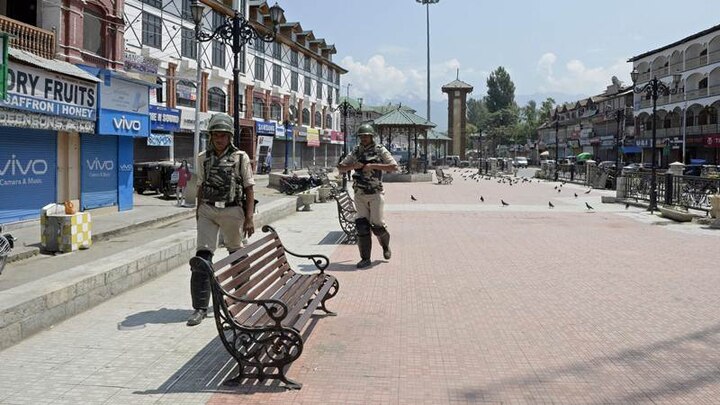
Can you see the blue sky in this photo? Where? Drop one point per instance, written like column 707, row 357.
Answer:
column 554, row 47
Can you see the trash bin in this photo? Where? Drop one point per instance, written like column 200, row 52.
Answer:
column 60, row 232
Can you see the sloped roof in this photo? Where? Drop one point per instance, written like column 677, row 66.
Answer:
column 436, row 136
column 402, row 118
column 52, row 65
column 457, row 84
column 384, row 109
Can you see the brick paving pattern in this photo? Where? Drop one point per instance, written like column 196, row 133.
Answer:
column 479, row 304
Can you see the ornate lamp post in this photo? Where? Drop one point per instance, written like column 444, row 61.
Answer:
column 236, row 32
column 653, row 88
column 557, row 144
column 345, row 109
column 288, row 119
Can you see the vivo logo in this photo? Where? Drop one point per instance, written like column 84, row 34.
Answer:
column 126, row 167
column 100, row 165
column 15, row 166
column 124, row 123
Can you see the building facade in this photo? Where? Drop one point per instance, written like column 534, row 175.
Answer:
column 687, row 119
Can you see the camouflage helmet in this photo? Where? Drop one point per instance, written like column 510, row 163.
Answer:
column 366, row 129
column 220, row 122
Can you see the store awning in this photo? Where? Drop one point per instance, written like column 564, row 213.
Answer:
column 631, row 149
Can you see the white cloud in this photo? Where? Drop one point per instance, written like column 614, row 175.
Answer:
column 378, row 82
column 576, row 77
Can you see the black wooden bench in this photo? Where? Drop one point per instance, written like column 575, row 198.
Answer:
column 346, row 214
column 262, row 305
column 442, row 178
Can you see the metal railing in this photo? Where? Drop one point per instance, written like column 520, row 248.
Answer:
column 29, row 38
column 661, row 72
column 697, row 93
column 676, row 67
column 697, row 61
column 714, row 56
column 690, row 192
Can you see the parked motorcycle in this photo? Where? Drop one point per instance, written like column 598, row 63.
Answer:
column 7, row 243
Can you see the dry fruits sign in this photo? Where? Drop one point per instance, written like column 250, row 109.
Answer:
column 46, row 92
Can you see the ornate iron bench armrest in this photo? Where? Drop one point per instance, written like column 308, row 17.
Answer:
column 320, row 261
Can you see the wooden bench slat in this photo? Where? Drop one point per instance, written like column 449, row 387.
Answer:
column 237, row 307
column 287, row 294
column 265, row 267
column 244, row 265
column 243, row 251
column 248, row 314
column 298, row 325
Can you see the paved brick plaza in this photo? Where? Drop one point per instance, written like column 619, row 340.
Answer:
column 480, row 304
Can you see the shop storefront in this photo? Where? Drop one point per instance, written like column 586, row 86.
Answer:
column 160, row 144
column 47, row 102
column 266, row 131
column 313, row 144
column 108, row 156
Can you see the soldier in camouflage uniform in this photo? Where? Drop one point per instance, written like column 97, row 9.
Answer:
column 224, row 174
column 369, row 160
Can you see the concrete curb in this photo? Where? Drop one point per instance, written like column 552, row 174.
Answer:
column 25, row 252
column 32, row 307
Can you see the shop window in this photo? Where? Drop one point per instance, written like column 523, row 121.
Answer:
column 306, row 116
column 216, row 99
column 186, row 93
column 294, row 81
column 93, row 32
column 318, row 119
column 276, row 112
column 258, row 107
column 218, row 54
column 151, row 30
column 259, row 69
column 188, row 43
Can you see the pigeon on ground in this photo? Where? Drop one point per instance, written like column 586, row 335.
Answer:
column 550, row 204
column 482, row 199
column 504, row 204
column 575, row 195
column 589, row 206
column 559, row 190
column 555, row 188
column 412, row 197
column 627, row 205
column 588, row 192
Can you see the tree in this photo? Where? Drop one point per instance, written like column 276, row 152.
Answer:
column 546, row 109
column 477, row 113
column 501, row 91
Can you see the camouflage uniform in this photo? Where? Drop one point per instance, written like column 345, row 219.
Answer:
column 221, row 180
column 369, row 197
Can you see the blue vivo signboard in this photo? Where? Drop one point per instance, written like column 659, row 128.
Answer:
column 125, row 173
column 28, row 168
column 123, row 123
column 265, row 128
column 164, row 118
column 99, row 174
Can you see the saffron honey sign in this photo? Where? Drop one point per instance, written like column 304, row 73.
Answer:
column 46, row 92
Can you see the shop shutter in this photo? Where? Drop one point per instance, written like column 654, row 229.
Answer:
column 28, row 170
column 99, row 182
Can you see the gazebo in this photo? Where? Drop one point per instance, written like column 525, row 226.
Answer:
column 436, row 139
column 403, row 122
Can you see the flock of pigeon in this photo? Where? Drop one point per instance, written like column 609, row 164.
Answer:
column 473, row 175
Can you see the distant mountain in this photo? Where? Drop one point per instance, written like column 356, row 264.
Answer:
column 522, row 99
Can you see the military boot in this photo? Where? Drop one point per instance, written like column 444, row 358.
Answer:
column 364, row 242
column 199, row 290
column 384, row 238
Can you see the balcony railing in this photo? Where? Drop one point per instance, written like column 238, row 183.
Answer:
column 645, row 103
column 714, row 56
column 643, row 77
column 662, row 72
column 714, row 90
column 697, row 61
column 697, row 93
column 29, row 38
column 676, row 67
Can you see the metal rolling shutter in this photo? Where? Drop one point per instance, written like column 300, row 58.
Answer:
column 99, row 182
column 28, row 170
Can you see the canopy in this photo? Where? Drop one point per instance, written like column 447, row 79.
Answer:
column 546, row 153
column 584, row 156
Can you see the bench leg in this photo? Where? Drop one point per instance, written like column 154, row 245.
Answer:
column 333, row 292
column 289, row 384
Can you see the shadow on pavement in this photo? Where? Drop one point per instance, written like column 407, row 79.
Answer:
column 161, row 316
column 646, row 386
column 213, row 365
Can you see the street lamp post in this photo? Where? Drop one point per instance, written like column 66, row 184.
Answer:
column 427, row 4
column 557, row 145
column 346, row 108
column 288, row 119
column 236, row 32
column 653, row 88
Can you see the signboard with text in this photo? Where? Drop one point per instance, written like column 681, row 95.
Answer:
column 164, row 118
column 46, row 92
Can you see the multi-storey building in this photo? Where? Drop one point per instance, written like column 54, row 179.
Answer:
column 56, row 122
column 292, row 80
column 596, row 125
column 687, row 119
